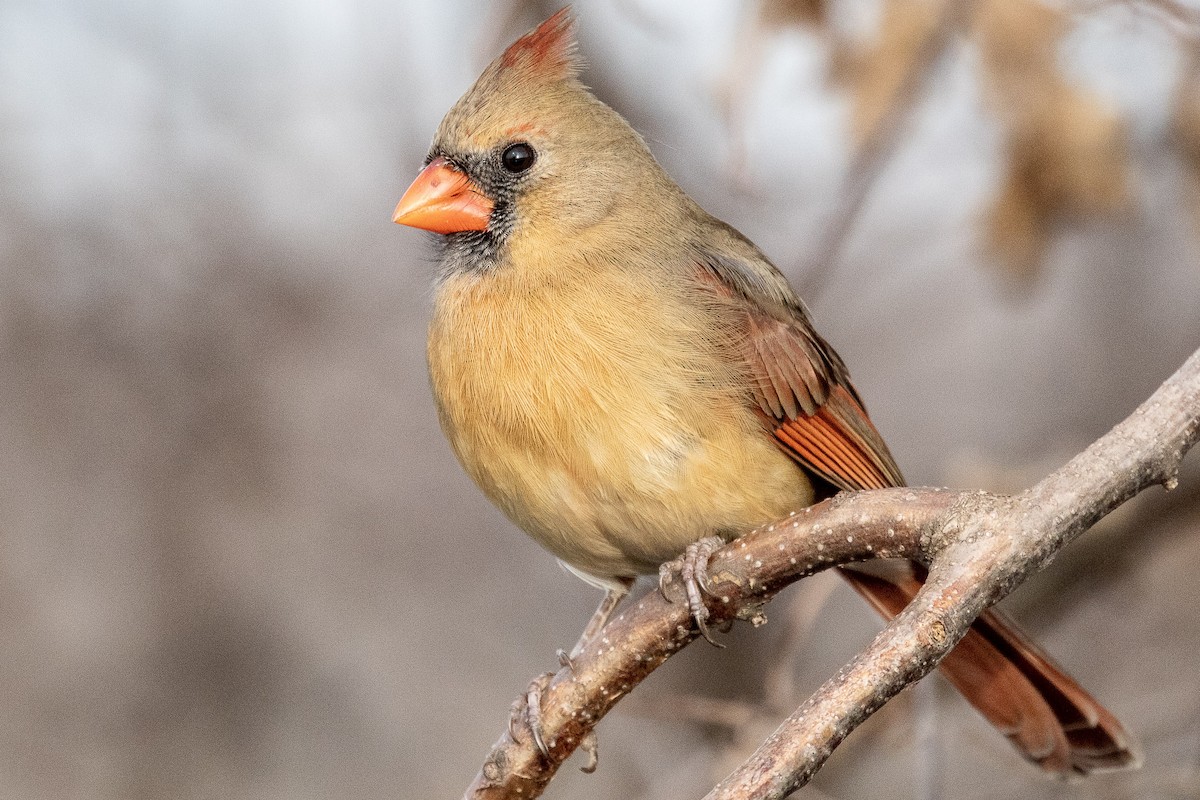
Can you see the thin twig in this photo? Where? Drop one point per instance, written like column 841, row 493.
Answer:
column 980, row 554
column 978, row 548
column 743, row 576
column 875, row 150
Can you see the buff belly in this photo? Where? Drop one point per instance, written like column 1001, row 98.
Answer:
column 613, row 442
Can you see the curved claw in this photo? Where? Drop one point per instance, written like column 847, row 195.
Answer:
column 533, row 711
column 565, row 660
column 527, row 709
column 692, row 569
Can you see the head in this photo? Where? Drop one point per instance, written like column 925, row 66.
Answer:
column 527, row 150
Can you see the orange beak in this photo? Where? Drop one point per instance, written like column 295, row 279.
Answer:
column 443, row 200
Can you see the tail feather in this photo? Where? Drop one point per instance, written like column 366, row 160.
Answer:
column 1017, row 687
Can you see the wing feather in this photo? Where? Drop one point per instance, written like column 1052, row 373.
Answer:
column 803, row 394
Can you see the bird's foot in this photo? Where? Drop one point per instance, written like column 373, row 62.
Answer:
column 526, row 718
column 692, row 569
column 526, row 715
column 565, row 660
column 612, row 599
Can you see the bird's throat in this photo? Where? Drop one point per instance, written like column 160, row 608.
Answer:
column 469, row 252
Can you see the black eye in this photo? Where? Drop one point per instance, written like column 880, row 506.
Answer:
column 518, row 157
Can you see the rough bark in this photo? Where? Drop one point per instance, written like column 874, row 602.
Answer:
column 978, row 548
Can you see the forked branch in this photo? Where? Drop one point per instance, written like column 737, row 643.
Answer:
column 978, row 548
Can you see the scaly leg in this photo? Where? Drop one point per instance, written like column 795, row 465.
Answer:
column 612, row 599
column 692, row 570
column 528, row 708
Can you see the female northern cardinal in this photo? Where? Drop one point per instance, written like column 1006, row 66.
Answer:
column 625, row 375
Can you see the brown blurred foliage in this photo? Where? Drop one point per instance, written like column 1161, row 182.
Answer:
column 237, row 558
column 1065, row 148
column 878, row 74
column 1186, row 125
column 793, row 12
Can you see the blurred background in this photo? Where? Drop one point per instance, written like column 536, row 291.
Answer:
column 237, row 559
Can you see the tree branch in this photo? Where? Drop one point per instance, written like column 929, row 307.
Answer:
column 978, row 548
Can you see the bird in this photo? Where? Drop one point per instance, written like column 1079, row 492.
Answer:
column 627, row 377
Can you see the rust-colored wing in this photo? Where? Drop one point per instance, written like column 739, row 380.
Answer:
column 803, row 393
column 803, row 389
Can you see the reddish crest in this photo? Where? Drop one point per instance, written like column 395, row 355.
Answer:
column 548, row 50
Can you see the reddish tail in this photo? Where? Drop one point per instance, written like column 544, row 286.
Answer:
column 1047, row 716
